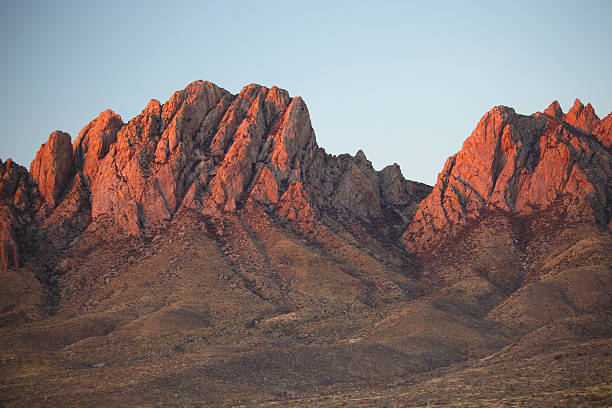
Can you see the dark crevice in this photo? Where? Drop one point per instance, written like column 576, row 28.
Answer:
column 499, row 160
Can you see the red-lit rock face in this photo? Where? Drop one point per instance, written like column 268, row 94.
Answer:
column 52, row 167
column 520, row 164
column 94, row 141
column 144, row 176
column 582, row 117
column 255, row 122
column 604, row 131
column 209, row 152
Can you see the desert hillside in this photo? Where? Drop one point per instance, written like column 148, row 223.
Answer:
column 209, row 253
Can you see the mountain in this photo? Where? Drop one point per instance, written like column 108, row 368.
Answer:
column 209, row 253
column 521, row 165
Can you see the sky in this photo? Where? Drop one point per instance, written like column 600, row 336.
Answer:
column 404, row 81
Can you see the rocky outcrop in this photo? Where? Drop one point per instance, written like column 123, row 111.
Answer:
column 208, row 151
column 582, row 117
column 265, row 189
column 143, row 178
column 399, row 196
column 18, row 189
column 52, row 167
column 94, row 141
column 554, row 110
column 199, row 150
column 348, row 187
column 295, row 205
column 358, row 191
column 521, row 165
column 19, row 201
column 269, row 119
column 604, row 131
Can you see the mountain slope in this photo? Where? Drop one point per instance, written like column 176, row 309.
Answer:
column 208, row 252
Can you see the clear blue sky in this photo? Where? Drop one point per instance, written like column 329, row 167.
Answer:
column 404, row 81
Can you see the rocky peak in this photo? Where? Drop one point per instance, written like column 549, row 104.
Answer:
column 361, row 159
column 348, row 188
column 392, row 184
column 554, row 110
column 294, row 135
column 262, row 127
column 52, row 167
column 518, row 164
column 153, row 108
column 210, row 151
column 396, row 191
column 358, row 191
column 143, row 178
column 277, row 97
column 582, row 117
column 203, row 149
column 94, row 141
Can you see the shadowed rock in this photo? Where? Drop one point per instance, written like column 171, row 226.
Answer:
column 19, row 201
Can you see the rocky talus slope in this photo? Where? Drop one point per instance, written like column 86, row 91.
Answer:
column 209, row 253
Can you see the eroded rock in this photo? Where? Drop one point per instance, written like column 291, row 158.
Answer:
column 52, row 167
column 519, row 164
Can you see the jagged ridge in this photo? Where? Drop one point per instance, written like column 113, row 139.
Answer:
column 208, row 247
column 521, row 165
column 210, row 151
